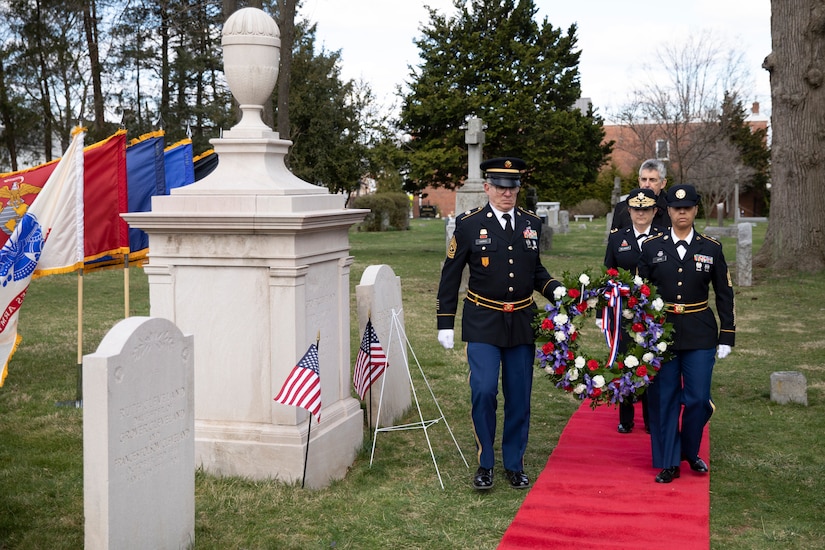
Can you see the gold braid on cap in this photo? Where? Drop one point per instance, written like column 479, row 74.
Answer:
column 640, row 201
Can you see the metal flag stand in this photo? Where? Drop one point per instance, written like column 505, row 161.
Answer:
column 395, row 327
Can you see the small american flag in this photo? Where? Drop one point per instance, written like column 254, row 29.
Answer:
column 370, row 363
column 303, row 385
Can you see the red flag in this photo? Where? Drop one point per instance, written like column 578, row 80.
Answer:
column 105, row 197
column 303, row 385
column 370, row 362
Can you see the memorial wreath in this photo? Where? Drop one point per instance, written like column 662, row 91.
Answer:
column 627, row 305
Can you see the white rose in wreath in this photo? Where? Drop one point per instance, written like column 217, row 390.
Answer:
column 559, row 292
column 598, row 381
column 578, row 390
column 631, row 361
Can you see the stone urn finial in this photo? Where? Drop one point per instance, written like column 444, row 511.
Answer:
column 251, row 55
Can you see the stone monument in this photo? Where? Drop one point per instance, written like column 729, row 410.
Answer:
column 254, row 262
column 379, row 295
column 471, row 194
column 138, row 438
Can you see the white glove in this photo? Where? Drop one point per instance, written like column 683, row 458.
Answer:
column 445, row 337
column 722, row 351
column 599, row 324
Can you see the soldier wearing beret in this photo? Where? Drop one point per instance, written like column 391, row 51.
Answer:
column 624, row 246
column 653, row 176
column 684, row 264
column 499, row 244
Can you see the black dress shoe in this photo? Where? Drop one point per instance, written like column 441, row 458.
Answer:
column 668, row 474
column 698, row 465
column 626, row 429
column 518, row 480
column 483, row 479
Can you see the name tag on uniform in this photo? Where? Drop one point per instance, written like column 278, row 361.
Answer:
column 483, row 241
column 624, row 248
column 660, row 257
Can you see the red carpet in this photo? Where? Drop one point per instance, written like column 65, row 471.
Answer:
column 597, row 491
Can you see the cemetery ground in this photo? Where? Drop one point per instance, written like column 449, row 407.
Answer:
column 767, row 487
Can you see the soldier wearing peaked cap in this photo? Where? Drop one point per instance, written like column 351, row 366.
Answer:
column 499, row 244
column 624, row 246
column 684, row 264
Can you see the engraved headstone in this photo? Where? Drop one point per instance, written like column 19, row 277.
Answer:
column 139, row 438
column 378, row 294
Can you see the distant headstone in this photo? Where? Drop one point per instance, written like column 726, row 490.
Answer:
column 789, row 387
column 744, row 255
column 377, row 295
column 564, row 222
column 139, row 438
column 546, row 242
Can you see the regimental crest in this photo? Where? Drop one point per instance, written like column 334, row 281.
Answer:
column 14, row 207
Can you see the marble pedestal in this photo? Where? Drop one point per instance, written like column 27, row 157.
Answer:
column 256, row 274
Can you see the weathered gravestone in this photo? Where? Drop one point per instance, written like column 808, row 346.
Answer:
column 139, row 438
column 744, row 255
column 378, row 294
column 789, row 387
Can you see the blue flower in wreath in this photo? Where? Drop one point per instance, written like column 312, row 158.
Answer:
column 19, row 256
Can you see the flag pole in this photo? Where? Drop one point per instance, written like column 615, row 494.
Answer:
column 126, row 285
column 369, row 397
column 309, row 427
column 78, row 402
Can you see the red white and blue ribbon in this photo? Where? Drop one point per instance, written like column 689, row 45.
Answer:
column 612, row 318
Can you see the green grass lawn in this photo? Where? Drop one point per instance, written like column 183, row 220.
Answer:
column 767, row 487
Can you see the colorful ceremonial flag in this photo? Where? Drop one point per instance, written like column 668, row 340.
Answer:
column 303, row 385
column 370, row 362
column 49, row 236
column 105, row 233
column 106, row 198
column 146, row 177
column 180, row 170
column 205, row 164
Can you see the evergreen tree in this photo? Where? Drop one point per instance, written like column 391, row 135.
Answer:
column 324, row 119
column 494, row 61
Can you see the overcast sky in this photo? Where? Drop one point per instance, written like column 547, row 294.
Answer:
column 615, row 37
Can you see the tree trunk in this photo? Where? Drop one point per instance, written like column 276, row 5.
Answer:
column 7, row 119
column 795, row 239
column 284, row 76
column 90, row 26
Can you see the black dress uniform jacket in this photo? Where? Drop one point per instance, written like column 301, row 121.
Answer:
column 502, row 276
column 623, row 249
column 684, row 285
column 621, row 216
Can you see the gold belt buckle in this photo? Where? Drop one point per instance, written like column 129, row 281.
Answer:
column 678, row 308
column 507, row 308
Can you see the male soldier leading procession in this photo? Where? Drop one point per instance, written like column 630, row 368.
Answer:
column 499, row 243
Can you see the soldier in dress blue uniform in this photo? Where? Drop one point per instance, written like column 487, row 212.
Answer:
column 683, row 264
column 624, row 246
column 499, row 243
